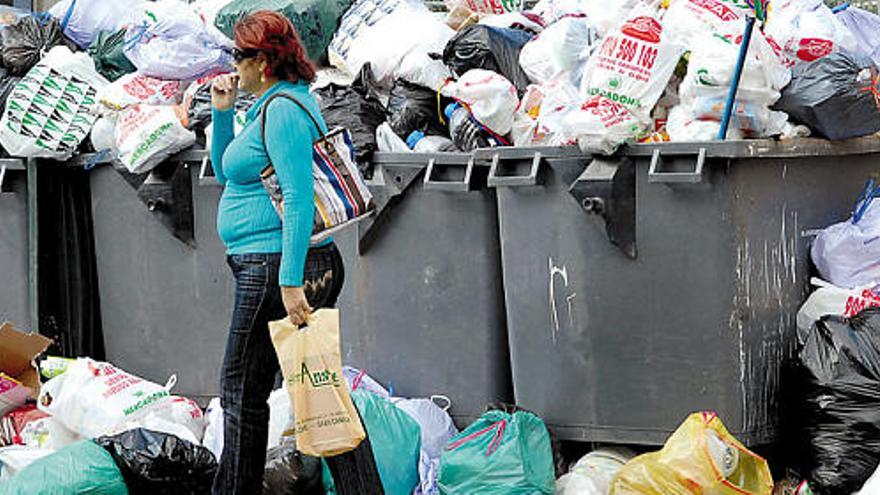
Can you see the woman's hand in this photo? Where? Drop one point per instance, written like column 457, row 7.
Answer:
column 224, row 89
column 298, row 309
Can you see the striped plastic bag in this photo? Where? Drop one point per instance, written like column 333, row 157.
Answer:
column 341, row 195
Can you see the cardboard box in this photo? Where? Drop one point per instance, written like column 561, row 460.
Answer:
column 19, row 379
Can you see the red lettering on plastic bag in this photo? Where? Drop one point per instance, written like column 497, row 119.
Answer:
column 644, row 28
column 717, row 8
column 812, row 49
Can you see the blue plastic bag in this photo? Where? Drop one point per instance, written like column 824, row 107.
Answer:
column 396, row 442
column 500, row 454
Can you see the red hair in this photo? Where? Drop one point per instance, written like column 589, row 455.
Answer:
column 272, row 34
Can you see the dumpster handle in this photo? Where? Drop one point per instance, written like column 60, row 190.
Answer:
column 694, row 177
column 495, row 180
column 457, row 186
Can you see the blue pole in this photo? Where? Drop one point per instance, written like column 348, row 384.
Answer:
column 737, row 75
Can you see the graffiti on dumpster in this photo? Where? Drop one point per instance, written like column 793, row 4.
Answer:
column 558, row 273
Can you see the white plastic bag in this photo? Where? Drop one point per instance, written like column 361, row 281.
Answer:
column 705, row 88
column 388, row 141
column 847, row 254
column 280, row 413
column 872, row 486
column 136, row 87
column 167, row 40
column 829, row 299
column 17, row 457
column 53, row 108
column 103, row 134
column 806, row 30
column 213, row 438
column 395, row 37
column 83, row 20
column 490, row 97
column 605, row 15
column 564, row 47
column 593, row 473
column 207, row 11
column 146, row 135
column 686, row 21
column 93, row 398
column 633, row 63
column 601, row 125
column 539, row 119
column 437, row 429
column 47, row 433
column 683, row 126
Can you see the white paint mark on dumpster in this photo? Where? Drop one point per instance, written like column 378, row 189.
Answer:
column 562, row 272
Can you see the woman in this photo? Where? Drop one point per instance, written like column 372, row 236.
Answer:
column 276, row 274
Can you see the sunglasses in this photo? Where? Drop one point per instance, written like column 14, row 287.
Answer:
column 238, row 54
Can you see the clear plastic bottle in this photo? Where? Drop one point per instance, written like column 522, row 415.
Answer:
column 466, row 134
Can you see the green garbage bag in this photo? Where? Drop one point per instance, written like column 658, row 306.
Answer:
column 316, row 21
column 396, row 441
column 500, row 454
column 83, row 468
column 107, row 52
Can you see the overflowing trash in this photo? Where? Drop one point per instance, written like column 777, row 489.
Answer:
column 133, row 80
column 700, row 457
column 501, row 453
column 844, row 253
column 158, row 463
column 840, row 425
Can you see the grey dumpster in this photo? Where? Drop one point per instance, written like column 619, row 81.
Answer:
column 165, row 305
column 664, row 281
column 422, row 307
column 14, row 244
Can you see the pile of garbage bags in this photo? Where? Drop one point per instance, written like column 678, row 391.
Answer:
column 489, row 73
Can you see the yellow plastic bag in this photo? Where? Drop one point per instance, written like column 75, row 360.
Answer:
column 701, row 457
column 327, row 422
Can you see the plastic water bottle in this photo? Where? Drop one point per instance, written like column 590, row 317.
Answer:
column 420, row 143
column 466, row 134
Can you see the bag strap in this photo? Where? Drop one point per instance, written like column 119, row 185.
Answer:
column 264, row 110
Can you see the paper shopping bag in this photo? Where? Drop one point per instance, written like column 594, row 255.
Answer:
column 327, row 422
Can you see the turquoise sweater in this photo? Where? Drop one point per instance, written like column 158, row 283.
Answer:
column 246, row 221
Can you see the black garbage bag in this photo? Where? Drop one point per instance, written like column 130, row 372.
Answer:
column 154, row 463
column 841, row 401
column 415, row 108
column 199, row 114
column 822, row 92
column 23, row 44
column 109, row 56
column 358, row 109
column 490, row 48
column 289, row 472
column 7, row 84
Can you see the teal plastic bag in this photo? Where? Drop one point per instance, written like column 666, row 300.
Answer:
column 396, row 442
column 500, row 454
column 83, row 468
column 315, row 21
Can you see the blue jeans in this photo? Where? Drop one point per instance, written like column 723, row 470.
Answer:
column 250, row 364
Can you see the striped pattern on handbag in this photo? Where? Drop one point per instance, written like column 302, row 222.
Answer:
column 341, row 194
